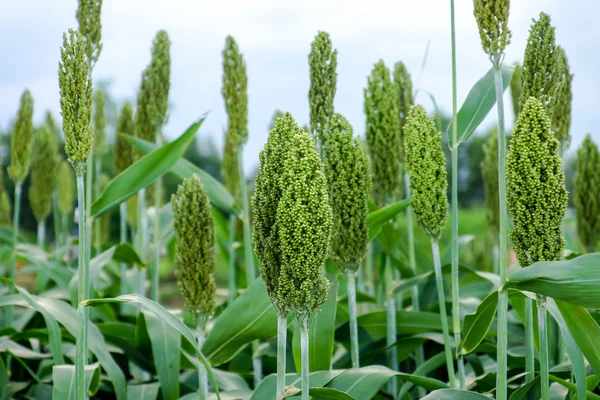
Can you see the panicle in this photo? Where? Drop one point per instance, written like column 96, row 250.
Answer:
column 99, row 122
column 404, row 98
column 561, row 122
column 66, row 189
column 90, row 26
column 123, row 149
column 492, row 20
column 21, row 140
column 586, row 194
column 44, row 168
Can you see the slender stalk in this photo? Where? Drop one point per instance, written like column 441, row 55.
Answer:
column 369, row 270
column 501, row 391
column 232, row 269
column 142, row 233
column 256, row 364
column 202, row 373
column 56, row 220
column 64, row 230
column 13, row 264
column 439, row 281
column 97, row 227
column 454, row 214
column 123, row 239
column 41, row 240
column 248, row 256
column 304, row 358
column 392, row 352
column 529, row 343
column 281, row 350
column 543, row 333
column 350, row 279
column 496, row 254
column 82, row 314
column 155, row 278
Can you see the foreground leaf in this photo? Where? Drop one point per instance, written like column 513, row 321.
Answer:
column 63, row 380
column 143, row 172
column 477, row 325
column 454, row 394
column 267, row 388
column 378, row 218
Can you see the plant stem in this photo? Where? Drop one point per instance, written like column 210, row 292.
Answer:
column 370, row 283
column 13, row 264
column 248, row 256
column 543, row 333
column 82, row 312
column 41, row 240
column 350, row 279
column 123, row 239
column 501, row 382
column 454, row 219
column 304, row 357
column 142, row 239
column 64, row 230
column 202, row 373
column 97, row 226
column 56, row 220
column 495, row 254
column 439, row 281
column 232, row 268
column 529, row 343
column 281, row 350
column 155, row 278
column 392, row 352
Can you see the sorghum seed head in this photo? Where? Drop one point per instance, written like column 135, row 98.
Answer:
column 90, row 26
column 404, row 98
column 492, row 20
column 123, row 149
column 586, row 194
column 561, row 122
column 99, row 122
column 66, row 188
column 21, row 140
column 44, row 168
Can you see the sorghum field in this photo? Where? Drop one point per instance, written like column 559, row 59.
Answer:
column 343, row 269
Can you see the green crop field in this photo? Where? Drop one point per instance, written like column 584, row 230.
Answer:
column 420, row 261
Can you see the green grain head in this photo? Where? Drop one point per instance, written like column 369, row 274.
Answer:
column 586, row 194
column 349, row 186
column 99, row 123
column 44, row 167
column 65, row 188
column 492, row 20
column 194, row 257
column 292, row 219
column 516, row 89
column 75, row 101
column 404, row 98
column 542, row 73
column 536, row 194
column 21, row 140
column 90, row 26
column 51, row 124
column 322, row 62
column 489, row 173
column 561, row 122
column 123, row 156
column 426, row 166
column 383, row 135
column 5, row 206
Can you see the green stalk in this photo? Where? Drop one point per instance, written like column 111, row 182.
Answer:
column 439, row 281
column 13, row 264
column 82, row 314
column 232, row 270
column 281, row 351
column 543, row 333
column 41, row 240
column 64, row 233
column 369, row 281
column 155, row 281
column 503, row 248
column 88, row 198
column 304, row 358
column 392, row 352
column 454, row 212
column 56, row 220
column 202, row 373
column 97, row 227
column 142, row 233
column 353, row 323
column 123, row 239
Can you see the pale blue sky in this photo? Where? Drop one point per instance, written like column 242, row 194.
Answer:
column 275, row 38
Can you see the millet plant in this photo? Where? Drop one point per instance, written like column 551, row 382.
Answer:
column 586, row 194
column 5, row 206
column 66, row 193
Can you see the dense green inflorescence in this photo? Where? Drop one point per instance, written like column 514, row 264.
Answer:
column 426, row 166
column 21, row 140
column 123, row 150
column 292, row 220
column 99, row 122
column 516, row 89
column 90, row 26
column 404, row 98
column 489, row 173
column 542, row 72
column 322, row 62
column 44, row 167
column 561, row 122
column 383, row 135
column 194, row 258
column 235, row 96
column 536, row 194
column 586, row 194
column 66, row 189
column 349, row 186
column 492, row 20
column 75, row 101
column 5, row 206
column 51, row 124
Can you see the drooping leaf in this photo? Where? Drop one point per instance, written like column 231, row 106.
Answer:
column 125, row 253
column 454, row 394
column 143, row 172
column 478, row 324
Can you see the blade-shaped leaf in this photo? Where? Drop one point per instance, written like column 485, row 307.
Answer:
column 378, row 218
column 217, row 194
column 454, row 394
column 267, row 388
column 63, row 379
column 145, row 391
column 125, row 253
column 479, row 102
column 143, row 172
column 478, row 324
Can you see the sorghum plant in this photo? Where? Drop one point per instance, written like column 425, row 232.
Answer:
column 292, row 229
column 516, row 89
column 194, row 258
column 76, row 106
column 5, row 206
column 536, row 198
column 561, row 121
column 492, row 19
column 586, row 194
column 349, row 186
column 426, row 166
column 489, row 173
column 66, row 193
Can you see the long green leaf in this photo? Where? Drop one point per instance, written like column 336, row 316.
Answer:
column 143, row 172
column 147, row 391
column 217, row 194
column 166, row 347
column 478, row 324
column 7, row 345
column 166, row 316
column 251, row 316
column 454, row 394
column 575, row 281
column 378, row 218
column 267, row 388
column 479, row 102
column 63, row 379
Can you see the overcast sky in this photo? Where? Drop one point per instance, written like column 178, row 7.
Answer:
column 275, row 37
